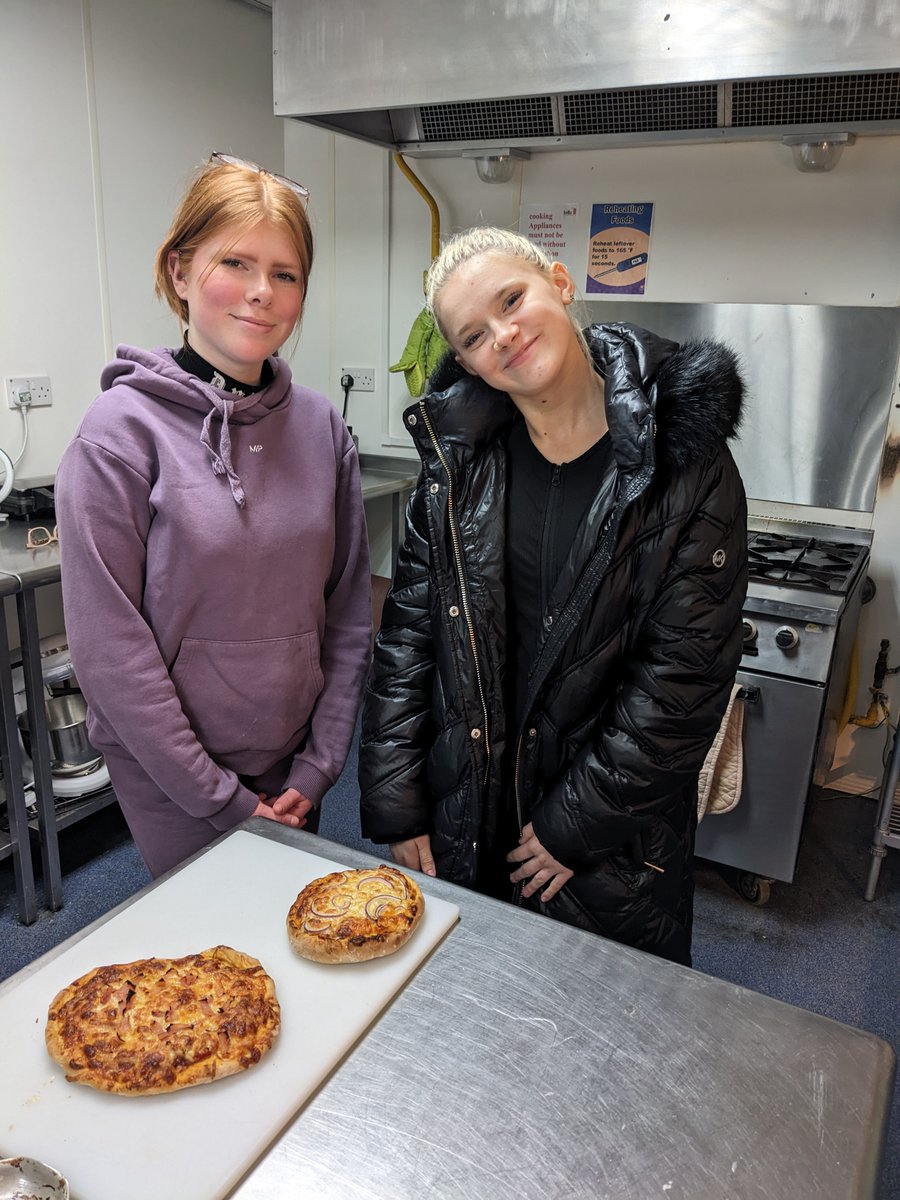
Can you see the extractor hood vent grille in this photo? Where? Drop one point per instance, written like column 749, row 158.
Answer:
column 816, row 100
column 642, row 110
column 488, row 120
column 812, row 100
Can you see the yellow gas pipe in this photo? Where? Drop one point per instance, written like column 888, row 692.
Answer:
column 429, row 200
column 424, row 347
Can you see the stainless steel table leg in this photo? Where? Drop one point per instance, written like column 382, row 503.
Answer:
column 883, row 823
column 40, row 748
column 398, row 509
column 23, row 868
column 878, row 853
column 396, row 512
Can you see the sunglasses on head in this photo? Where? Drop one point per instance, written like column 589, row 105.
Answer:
column 231, row 161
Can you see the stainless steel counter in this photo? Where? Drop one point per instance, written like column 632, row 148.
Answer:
column 386, row 481
column 381, row 475
column 21, row 568
column 527, row 1059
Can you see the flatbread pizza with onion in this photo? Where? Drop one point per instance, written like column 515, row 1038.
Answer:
column 355, row 915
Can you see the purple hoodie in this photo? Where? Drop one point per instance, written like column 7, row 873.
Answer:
column 215, row 580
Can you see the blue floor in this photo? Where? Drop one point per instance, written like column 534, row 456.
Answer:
column 817, row 943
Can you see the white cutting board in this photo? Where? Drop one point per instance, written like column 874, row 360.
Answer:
column 195, row 1144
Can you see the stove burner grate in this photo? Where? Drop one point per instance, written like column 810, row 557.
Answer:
column 803, row 562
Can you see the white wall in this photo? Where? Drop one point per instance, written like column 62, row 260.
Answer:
column 108, row 106
column 50, row 299
column 345, row 322
column 173, row 81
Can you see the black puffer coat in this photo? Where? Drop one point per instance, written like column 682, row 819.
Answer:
column 640, row 644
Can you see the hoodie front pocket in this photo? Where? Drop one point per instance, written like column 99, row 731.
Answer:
column 249, row 697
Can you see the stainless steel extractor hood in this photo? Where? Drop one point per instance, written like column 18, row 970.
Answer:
column 434, row 77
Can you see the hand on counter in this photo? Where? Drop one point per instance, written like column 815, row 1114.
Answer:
column 538, row 866
column 415, row 854
column 290, row 808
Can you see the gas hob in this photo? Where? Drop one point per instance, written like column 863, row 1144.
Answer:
column 801, row 579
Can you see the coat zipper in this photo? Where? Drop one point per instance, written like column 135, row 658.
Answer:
column 634, row 489
column 463, row 590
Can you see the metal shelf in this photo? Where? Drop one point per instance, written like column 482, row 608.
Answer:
column 6, row 846
column 69, row 812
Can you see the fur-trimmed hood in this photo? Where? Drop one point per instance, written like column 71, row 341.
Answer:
column 690, row 395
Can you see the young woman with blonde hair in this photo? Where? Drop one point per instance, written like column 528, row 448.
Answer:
column 564, row 626
column 214, row 558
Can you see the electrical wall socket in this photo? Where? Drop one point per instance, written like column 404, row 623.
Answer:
column 34, row 387
column 363, row 378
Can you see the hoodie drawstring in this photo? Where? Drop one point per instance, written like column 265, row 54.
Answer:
column 221, row 458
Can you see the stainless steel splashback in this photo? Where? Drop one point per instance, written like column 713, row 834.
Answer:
column 436, row 76
column 819, row 385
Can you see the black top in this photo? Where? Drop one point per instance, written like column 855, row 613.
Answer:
column 189, row 360
column 545, row 505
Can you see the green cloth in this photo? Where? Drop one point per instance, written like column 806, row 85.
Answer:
column 424, row 350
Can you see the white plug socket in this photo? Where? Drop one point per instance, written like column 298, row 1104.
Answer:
column 363, row 378
column 23, row 391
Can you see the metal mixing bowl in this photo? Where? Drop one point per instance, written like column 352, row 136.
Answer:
column 70, row 751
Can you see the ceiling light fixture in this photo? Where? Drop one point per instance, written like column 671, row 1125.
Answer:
column 497, row 164
column 817, row 151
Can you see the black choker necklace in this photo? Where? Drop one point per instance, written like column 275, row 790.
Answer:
column 189, row 360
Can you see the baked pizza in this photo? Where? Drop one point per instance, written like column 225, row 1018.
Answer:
column 162, row 1024
column 351, row 916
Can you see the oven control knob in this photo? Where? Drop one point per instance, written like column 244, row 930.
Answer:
column 750, row 630
column 786, row 637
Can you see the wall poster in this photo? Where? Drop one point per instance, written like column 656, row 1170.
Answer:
column 549, row 226
column 619, row 249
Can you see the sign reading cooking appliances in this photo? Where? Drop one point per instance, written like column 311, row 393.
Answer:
column 550, row 226
column 619, row 248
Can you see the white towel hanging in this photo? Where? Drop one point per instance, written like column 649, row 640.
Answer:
column 722, row 773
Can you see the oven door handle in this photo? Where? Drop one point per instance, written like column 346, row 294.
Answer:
column 749, row 694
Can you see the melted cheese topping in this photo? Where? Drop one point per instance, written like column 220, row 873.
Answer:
column 163, row 1024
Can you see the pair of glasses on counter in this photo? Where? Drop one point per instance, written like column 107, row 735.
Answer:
column 40, row 536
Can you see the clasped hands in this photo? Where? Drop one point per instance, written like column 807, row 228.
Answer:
column 537, row 865
column 290, row 808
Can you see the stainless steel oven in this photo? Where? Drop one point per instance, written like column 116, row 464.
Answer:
column 800, row 618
